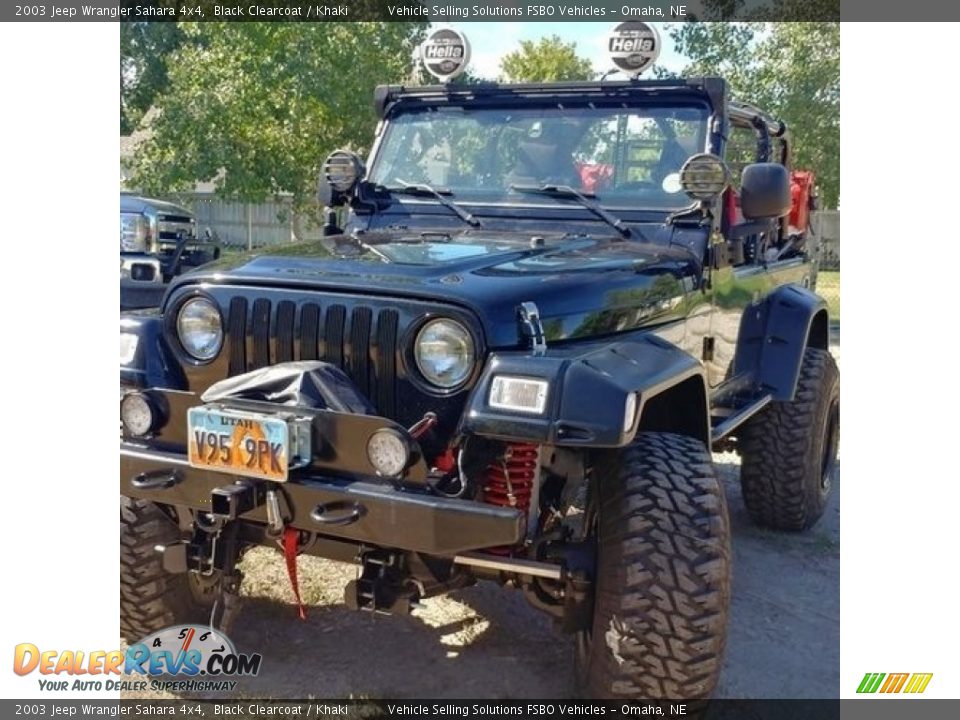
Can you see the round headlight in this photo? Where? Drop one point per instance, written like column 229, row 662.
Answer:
column 704, row 176
column 388, row 452
column 444, row 353
column 200, row 328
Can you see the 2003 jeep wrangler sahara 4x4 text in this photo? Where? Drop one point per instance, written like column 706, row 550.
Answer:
column 546, row 305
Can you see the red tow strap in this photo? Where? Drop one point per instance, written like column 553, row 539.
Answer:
column 291, row 539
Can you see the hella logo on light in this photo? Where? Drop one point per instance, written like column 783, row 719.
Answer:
column 443, row 52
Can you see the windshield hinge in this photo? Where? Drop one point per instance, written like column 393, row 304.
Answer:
column 531, row 327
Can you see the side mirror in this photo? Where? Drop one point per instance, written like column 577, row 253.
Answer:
column 765, row 191
column 342, row 171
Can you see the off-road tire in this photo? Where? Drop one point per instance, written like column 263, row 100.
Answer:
column 789, row 450
column 150, row 597
column 663, row 574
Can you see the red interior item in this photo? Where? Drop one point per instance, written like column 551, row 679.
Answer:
column 731, row 209
column 594, row 176
column 801, row 188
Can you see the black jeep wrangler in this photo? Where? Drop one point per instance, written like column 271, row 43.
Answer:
column 532, row 318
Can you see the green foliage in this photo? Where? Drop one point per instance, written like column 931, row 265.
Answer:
column 144, row 49
column 256, row 107
column 790, row 70
column 548, row 60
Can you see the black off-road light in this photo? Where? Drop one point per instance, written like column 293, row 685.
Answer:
column 704, row 176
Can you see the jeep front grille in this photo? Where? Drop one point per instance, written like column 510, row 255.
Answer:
column 362, row 341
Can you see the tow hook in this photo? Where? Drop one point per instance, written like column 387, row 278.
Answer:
column 274, row 518
column 289, row 540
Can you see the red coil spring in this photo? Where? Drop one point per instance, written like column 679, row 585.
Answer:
column 510, row 478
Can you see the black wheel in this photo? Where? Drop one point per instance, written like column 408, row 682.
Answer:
column 789, row 449
column 663, row 574
column 150, row 597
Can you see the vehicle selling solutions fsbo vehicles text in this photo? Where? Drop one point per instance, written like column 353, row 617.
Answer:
column 465, row 11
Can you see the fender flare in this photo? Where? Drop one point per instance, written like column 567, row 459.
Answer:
column 590, row 393
column 152, row 363
column 773, row 335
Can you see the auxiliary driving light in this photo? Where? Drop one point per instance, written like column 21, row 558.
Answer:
column 704, row 176
column 342, row 170
column 137, row 414
column 518, row 393
column 389, row 452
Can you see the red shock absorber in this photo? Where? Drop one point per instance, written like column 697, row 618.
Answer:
column 511, row 479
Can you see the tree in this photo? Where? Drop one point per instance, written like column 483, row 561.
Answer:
column 791, row 70
column 548, row 60
column 256, row 107
column 144, row 49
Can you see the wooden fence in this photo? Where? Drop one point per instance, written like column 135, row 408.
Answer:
column 827, row 224
column 248, row 225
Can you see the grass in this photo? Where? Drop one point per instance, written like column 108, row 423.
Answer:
column 828, row 287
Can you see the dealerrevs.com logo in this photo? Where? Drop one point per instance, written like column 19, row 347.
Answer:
column 187, row 657
column 908, row 683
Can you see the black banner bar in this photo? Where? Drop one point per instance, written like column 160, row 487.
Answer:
column 423, row 10
column 866, row 709
column 449, row 709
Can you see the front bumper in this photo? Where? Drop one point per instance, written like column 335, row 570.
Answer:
column 370, row 512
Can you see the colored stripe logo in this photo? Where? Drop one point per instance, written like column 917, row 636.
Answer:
column 913, row 683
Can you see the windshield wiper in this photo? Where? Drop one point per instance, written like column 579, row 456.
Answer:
column 409, row 188
column 568, row 192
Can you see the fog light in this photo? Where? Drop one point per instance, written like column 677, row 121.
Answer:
column 519, row 394
column 137, row 414
column 388, row 452
column 143, row 272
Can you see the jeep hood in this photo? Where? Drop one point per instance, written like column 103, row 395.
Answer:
column 582, row 285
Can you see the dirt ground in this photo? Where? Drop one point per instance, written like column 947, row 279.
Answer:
column 486, row 642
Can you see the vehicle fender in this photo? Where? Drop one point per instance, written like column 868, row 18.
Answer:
column 151, row 364
column 773, row 335
column 589, row 392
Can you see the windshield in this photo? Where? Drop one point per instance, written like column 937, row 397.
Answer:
column 627, row 158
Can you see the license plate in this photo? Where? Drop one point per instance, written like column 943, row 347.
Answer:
column 245, row 443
